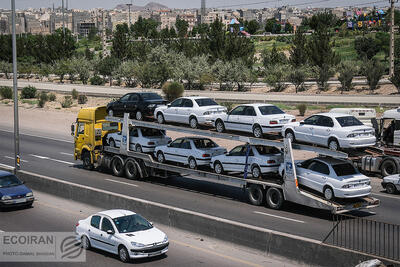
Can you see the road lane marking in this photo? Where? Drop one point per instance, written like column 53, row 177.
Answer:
column 121, row 182
column 56, row 160
column 384, row 195
column 216, row 254
column 8, row 157
column 39, row 136
column 279, row 217
column 66, row 154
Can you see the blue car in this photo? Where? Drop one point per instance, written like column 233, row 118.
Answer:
column 13, row 192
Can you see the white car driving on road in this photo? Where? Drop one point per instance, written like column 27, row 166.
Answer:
column 391, row 183
column 194, row 111
column 191, row 151
column 254, row 118
column 331, row 177
column 123, row 233
column 261, row 160
column 332, row 130
column 142, row 140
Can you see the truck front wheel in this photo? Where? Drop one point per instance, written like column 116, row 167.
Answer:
column 255, row 193
column 87, row 161
column 274, row 198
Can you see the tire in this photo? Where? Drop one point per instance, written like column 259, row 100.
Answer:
column 138, row 115
column 112, row 143
column 117, row 167
column 255, row 194
column 328, row 193
column 123, row 254
column 111, row 112
column 333, row 144
column 194, row 124
column 131, row 171
column 391, row 188
column 256, row 172
column 192, row 163
column 389, row 167
column 160, row 157
column 257, row 131
column 274, row 198
column 160, row 118
column 85, row 242
column 219, row 126
column 138, row 148
column 87, row 161
column 218, row 168
column 289, row 134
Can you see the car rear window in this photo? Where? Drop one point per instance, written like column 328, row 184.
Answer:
column 150, row 96
column 151, row 132
column 348, row 121
column 265, row 150
column 204, row 143
column 344, row 169
column 270, row 110
column 9, row 180
column 203, row 102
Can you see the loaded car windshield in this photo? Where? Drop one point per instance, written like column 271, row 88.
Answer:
column 204, row 143
column 132, row 223
column 9, row 180
column 270, row 110
column 349, row 121
column 148, row 132
column 203, row 102
column 265, row 150
column 151, row 96
column 344, row 169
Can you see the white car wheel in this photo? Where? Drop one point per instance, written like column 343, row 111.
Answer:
column 160, row 157
column 160, row 118
column 218, row 168
column 256, row 172
column 290, row 135
column 112, row 143
column 123, row 254
column 85, row 243
column 333, row 145
column 139, row 149
column 193, row 123
column 257, row 132
column 220, row 126
column 139, row 115
column 391, row 188
column 192, row 163
column 328, row 193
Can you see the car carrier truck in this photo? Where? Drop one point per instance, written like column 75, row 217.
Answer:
column 92, row 126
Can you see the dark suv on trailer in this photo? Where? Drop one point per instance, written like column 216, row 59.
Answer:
column 138, row 105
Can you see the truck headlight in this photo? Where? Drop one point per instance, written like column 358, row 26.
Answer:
column 138, row 245
column 5, row 198
column 30, row 194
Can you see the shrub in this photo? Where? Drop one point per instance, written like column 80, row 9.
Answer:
column 52, row 97
column 172, row 90
column 374, row 71
column 67, row 102
column 43, row 96
column 41, row 103
column 82, row 99
column 346, row 74
column 276, row 78
column 228, row 105
column 302, row 109
column 28, row 92
column 6, row 92
column 96, row 80
column 74, row 94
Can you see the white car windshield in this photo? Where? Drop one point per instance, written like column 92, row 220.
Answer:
column 148, row 132
column 344, row 169
column 270, row 110
column 132, row 223
column 349, row 121
column 203, row 102
column 204, row 143
column 266, row 150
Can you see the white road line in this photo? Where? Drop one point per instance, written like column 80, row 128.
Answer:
column 121, row 182
column 8, row 157
column 66, row 154
column 280, row 217
column 39, row 136
column 56, row 160
column 384, row 195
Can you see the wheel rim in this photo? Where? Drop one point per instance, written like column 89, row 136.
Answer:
column 160, row 118
column 160, row 157
column 256, row 172
column 220, row 127
column 390, row 188
column 139, row 149
column 112, row 143
column 122, row 254
column 218, row 168
column 139, row 116
column 333, row 145
column 86, row 160
column 290, row 136
column 257, row 132
column 193, row 123
column 328, row 193
column 192, row 163
column 85, row 242
column 389, row 169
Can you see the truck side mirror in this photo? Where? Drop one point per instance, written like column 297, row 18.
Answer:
column 72, row 129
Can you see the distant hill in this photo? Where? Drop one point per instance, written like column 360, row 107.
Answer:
column 149, row 6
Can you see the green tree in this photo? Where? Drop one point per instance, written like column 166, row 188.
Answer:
column 297, row 77
column 374, row 71
column 252, row 26
column 270, row 25
column 288, row 28
column 298, row 52
column 60, row 68
column 120, row 42
column 346, row 75
column 366, row 47
column 83, row 68
column 182, row 27
column 223, row 74
column 106, row 67
column 276, row 77
column 191, row 70
column 382, row 40
column 321, row 21
column 273, row 57
column 92, row 35
column 6, row 68
column 126, row 72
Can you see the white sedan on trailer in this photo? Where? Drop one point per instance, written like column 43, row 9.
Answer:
column 332, row 177
column 142, row 140
column 261, row 160
column 191, row 151
column 333, row 130
column 254, row 118
column 190, row 110
column 123, row 233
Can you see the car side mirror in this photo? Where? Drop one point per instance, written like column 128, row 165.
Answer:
column 72, row 129
column 110, row 232
column 302, row 123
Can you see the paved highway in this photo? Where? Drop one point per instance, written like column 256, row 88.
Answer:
column 54, row 158
column 53, row 214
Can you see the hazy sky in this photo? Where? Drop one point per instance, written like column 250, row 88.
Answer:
column 108, row 4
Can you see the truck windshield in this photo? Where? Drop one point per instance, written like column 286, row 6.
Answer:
column 203, row 102
column 270, row 110
column 204, row 143
column 151, row 96
column 148, row 132
column 9, row 180
column 349, row 121
column 344, row 169
column 131, row 223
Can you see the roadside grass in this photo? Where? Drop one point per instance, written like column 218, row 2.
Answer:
column 30, row 101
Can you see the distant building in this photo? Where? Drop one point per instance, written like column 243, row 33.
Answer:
column 84, row 28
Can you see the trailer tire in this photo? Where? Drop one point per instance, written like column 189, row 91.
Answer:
column 87, row 161
column 274, row 198
column 389, row 167
column 117, row 166
column 255, row 194
column 131, row 170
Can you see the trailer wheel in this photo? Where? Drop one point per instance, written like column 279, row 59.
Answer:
column 391, row 188
column 117, row 166
column 274, row 198
column 389, row 167
column 131, row 171
column 87, row 161
column 255, row 193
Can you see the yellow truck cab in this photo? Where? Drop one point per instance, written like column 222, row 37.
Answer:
column 89, row 132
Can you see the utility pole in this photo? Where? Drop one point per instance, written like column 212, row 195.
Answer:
column 63, row 18
column 16, row 122
column 129, row 15
column 392, row 27
column 104, row 35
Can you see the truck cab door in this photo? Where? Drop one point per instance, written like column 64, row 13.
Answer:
column 396, row 136
column 80, row 138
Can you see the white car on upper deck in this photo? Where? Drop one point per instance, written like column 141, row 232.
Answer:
column 193, row 110
column 332, row 130
column 254, row 118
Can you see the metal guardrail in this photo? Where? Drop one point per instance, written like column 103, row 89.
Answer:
column 364, row 235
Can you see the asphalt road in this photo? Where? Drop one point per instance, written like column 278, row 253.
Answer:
column 54, row 158
column 53, row 214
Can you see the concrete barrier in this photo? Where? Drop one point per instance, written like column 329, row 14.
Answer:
column 271, row 243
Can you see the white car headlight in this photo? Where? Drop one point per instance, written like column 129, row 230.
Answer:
column 352, row 135
column 138, row 245
column 5, row 197
column 207, row 113
column 165, row 240
column 30, row 194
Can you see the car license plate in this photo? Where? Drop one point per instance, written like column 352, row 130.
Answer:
column 283, row 121
column 19, row 200
column 357, row 205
